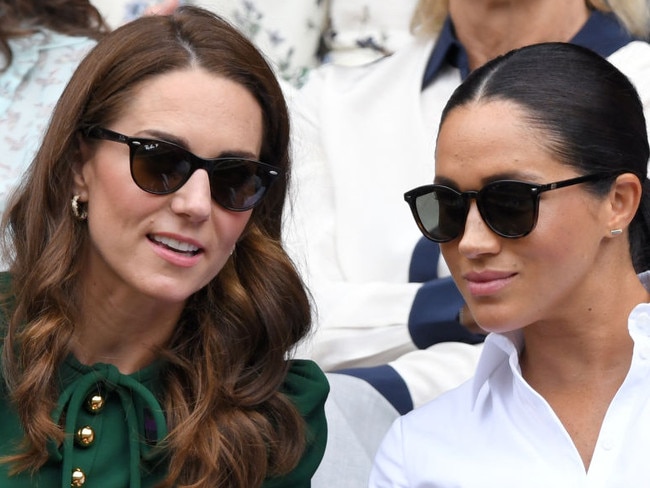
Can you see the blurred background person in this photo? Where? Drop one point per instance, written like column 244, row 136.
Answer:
column 298, row 35
column 41, row 43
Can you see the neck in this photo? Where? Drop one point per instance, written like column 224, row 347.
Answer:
column 589, row 344
column 489, row 28
column 578, row 361
column 118, row 330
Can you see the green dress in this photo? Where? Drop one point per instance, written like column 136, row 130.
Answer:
column 113, row 422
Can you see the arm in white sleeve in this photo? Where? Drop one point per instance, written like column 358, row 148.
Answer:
column 358, row 321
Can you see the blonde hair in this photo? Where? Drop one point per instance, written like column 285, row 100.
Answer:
column 428, row 17
column 634, row 15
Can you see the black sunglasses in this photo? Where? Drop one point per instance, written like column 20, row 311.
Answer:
column 162, row 167
column 508, row 207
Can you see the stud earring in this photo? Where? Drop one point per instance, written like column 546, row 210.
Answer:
column 79, row 213
column 616, row 232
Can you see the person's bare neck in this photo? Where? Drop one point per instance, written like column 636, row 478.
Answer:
column 588, row 333
column 114, row 328
column 488, row 28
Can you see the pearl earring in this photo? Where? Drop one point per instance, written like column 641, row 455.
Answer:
column 79, row 213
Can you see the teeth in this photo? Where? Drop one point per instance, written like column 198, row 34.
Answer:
column 175, row 245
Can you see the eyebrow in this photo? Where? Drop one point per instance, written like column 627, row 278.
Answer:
column 182, row 142
column 506, row 175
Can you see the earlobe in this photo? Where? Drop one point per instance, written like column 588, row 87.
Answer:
column 624, row 198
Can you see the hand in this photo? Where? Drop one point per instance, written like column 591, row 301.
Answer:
column 164, row 8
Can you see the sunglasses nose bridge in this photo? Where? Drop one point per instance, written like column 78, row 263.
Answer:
column 467, row 197
column 478, row 197
column 195, row 163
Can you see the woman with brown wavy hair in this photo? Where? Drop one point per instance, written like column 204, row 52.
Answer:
column 150, row 308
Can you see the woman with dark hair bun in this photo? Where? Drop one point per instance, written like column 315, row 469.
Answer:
column 150, row 310
column 541, row 208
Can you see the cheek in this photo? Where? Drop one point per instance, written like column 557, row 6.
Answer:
column 108, row 176
column 566, row 245
column 229, row 226
column 569, row 231
column 114, row 201
column 452, row 257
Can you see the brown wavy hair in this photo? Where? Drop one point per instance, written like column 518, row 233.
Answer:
column 24, row 17
column 229, row 424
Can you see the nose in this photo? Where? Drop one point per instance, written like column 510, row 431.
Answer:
column 194, row 199
column 477, row 238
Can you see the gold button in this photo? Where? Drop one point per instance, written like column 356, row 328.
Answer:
column 78, row 477
column 95, row 403
column 85, row 436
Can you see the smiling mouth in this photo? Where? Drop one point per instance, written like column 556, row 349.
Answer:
column 175, row 245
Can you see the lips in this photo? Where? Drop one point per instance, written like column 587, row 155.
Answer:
column 175, row 245
column 487, row 283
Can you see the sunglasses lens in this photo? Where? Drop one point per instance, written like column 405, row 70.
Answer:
column 509, row 208
column 442, row 213
column 160, row 168
column 238, row 184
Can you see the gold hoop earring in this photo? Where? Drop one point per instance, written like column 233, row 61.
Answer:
column 79, row 213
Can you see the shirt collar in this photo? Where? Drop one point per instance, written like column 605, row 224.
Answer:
column 447, row 50
column 602, row 33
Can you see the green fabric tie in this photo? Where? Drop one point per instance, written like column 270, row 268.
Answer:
column 135, row 398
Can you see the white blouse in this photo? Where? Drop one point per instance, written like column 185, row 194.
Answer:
column 496, row 431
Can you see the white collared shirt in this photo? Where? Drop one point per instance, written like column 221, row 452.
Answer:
column 496, row 431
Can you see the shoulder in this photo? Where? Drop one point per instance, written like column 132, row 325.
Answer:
column 44, row 62
column 46, row 40
column 425, row 437
column 631, row 49
column 448, row 420
column 306, row 385
column 6, row 304
column 56, row 40
column 426, row 442
column 5, row 282
column 6, row 299
column 455, row 406
column 633, row 59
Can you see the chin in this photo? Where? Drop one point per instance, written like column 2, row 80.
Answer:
column 496, row 322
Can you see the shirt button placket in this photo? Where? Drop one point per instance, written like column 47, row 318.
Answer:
column 85, row 435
